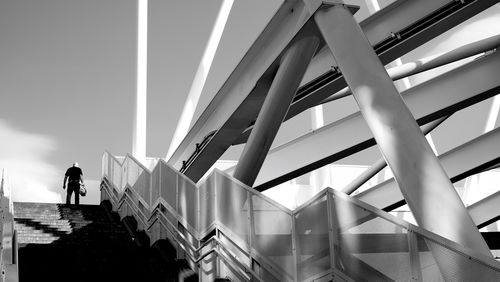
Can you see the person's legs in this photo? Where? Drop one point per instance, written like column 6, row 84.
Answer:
column 77, row 194
column 68, row 195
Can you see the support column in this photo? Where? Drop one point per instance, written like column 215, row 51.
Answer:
column 381, row 164
column 283, row 88
column 139, row 137
column 403, row 83
column 423, row 182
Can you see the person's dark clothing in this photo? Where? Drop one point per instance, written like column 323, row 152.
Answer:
column 73, row 186
column 73, row 173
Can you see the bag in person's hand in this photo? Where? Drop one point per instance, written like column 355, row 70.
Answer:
column 83, row 191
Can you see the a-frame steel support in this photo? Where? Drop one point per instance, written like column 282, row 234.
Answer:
column 426, row 187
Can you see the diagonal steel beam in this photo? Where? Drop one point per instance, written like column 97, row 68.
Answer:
column 237, row 103
column 322, row 78
column 381, row 163
column 421, row 178
column 428, row 101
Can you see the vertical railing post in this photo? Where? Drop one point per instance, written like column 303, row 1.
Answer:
column 251, row 230
column 333, row 237
column 150, row 202
column 295, row 251
column 415, row 266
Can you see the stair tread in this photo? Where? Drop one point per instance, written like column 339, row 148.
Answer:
column 79, row 243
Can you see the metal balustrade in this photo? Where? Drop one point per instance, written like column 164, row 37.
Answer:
column 8, row 244
column 227, row 229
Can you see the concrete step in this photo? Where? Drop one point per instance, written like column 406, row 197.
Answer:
column 21, row 225
column 50, row 221
column 61, row 243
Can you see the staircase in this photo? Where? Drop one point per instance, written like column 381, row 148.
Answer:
column 84, row 243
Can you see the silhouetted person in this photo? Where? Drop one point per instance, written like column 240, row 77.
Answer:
column 75, row 176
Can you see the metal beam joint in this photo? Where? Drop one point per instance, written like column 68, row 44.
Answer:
column 315, row 5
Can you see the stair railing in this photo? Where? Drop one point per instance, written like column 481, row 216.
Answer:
column 332, row 236
column 128, row 196
column 8, row 247
column 194, row 255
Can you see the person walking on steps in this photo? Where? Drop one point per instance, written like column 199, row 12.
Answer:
column 75, row 176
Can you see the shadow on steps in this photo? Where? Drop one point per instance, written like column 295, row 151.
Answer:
column 85, row 243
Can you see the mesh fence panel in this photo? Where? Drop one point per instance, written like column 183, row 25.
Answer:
column 273, row 234
column 187, row 200
column 155, row 185
column 232, row 206
column 427, row 264
column 168, row 188
column 368, row 244
column 207, row 204
column 371, row 248
column 116, row 178
column 104, row 164
column 139, row 179
column 455, row 266
column 313, row 245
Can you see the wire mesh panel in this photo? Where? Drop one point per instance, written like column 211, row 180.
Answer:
column 428, row 267
column 232, row 206
column 313, row 245
column 132, row 172
column 456, row 266
column 273, row 235
column 381, row 247
column 206, row 194
column 187, row 200
column 116, row 177
column 104, row 165
column 168, row 189
column 143, row 186
column 370, row 248
column 268, row 276
column 155, row 184
column 139, row 179
column 124, row 174
column 331, row 231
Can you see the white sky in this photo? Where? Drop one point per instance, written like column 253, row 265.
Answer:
column 67, row 80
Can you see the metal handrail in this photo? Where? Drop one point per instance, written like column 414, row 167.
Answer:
column 198, row 149
column 154, row 211
column 185, row 243
column 192, row 252
column 419, row 230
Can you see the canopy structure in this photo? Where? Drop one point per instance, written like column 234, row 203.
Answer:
column 320, row 53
